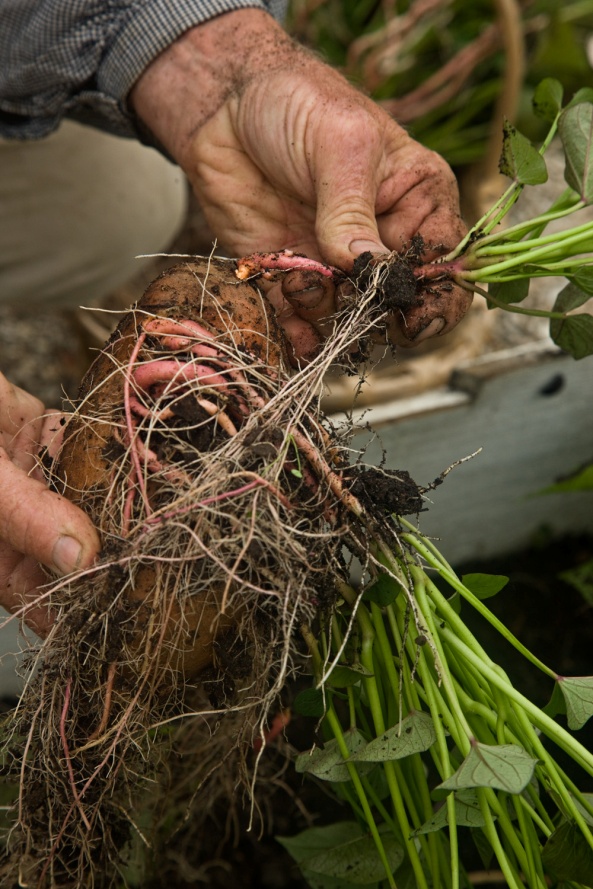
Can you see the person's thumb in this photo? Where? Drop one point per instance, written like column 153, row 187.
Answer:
column 40, row 523
column 344, row 231
column 345, row 225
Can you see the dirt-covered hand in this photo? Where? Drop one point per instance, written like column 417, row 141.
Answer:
column 36, row 525
column 285, row 153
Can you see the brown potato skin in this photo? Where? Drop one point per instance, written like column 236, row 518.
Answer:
column 206, row 291
column 203, row 290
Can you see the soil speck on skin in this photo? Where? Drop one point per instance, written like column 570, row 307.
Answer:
column 389, row 491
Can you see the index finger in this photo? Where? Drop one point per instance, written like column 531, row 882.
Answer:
column 311, row 294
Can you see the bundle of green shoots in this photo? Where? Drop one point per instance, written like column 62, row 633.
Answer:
column 425, row 735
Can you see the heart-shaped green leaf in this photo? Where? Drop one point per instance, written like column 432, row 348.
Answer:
column 568, row 855
column 414, row 734
column 467, row 814
column 503, row 767
column 576, row 132
column 316, row 840
column 483, row 586
column 582, row 279
column 578, row 697
column 309, row 702
column 327, row 763
column 583, row 95
column 343, row 676
column 356, row 861
column 586, row 813
column 520, row 161
column 383, row 591
column 574, row 334
column 547, row 99
column 508, row 292
column 572, row 296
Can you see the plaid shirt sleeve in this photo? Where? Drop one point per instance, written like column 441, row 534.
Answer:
column 80, row 58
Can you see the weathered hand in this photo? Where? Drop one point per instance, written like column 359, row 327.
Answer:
column 36, row 525
column 289, row 155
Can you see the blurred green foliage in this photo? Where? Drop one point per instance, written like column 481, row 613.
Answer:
column 440, row 65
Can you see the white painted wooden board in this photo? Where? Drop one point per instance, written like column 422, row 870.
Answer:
column 530, row 409
column 528, row 439
column 12, row 644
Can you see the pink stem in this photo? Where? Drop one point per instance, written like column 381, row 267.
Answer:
column 127, row 511
column 279, row 723
column 436, row 269
column 132, row 432
column 216, row 498
column 63, row 717
column 176, row 334
column 142, row 411
column 252, row 395
column 171, row 370
column 282, row 260
column 107, row 705
column 324, row 470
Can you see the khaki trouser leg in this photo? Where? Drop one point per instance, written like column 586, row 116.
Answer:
column 76, row 208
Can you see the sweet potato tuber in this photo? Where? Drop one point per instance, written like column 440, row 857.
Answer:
column 232, row 315
column 217, row 494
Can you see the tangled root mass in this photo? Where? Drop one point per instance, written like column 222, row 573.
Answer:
column 224, row 502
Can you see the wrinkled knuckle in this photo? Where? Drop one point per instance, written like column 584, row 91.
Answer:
column 302, row 280
column 347, row 212
column 7, row 522
column 25, row 533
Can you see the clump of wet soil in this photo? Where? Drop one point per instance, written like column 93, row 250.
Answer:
column 397, row 288
column 387, row 491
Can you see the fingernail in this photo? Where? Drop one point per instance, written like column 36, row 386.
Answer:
column 358, row 247
column 67, row 554
column 432, row 329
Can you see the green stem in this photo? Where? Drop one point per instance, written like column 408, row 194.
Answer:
column 499, row 210
column 562, row 268
column 512, row 878
column 371, row 688
column 547, row 725
column 370, row 684
column 491, row 270
column 561, row 784
column 351, row 706
column 519, row 310
column 530, row 844
column 501, row 247
column 498, row 806
column 389, row 821
column 385, row 653
column 440, row 661
column 430, row 844
column 453, row 581
column 488, row 221
column 336, row 729
column 470, row 684
column 523, row 228
column 409, row 689
column 446, row 771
